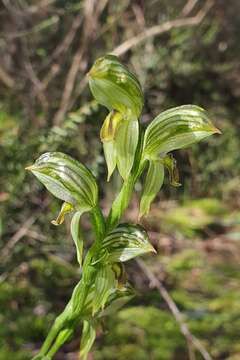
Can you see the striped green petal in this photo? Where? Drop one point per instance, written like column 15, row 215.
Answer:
column 114, row 86
column 126, row 145
column 126, row 242
column 177, row 128
column 66, row 179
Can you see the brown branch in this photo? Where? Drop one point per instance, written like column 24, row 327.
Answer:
column 63, row 47
column 6, row 78
column 38, row 85
column 189, row 6
column 156, row 283
column 69, row 85
column 22, row 231
column 92, row 10
column 163, row 28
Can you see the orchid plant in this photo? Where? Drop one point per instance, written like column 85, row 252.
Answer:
column 103, row 286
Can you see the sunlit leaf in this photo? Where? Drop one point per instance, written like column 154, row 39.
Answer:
column 126, row 242
column 126, row 144
column 177, row 128
column 152, row 184
column 66, row 179
column 77, row 235
column 105, row 283
column 115, row 87
column 87, row 340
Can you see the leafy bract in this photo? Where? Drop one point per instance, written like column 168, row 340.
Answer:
column 126, row 242
column 66, row 179
column 177, row 128
column 105, row 283
column 115, row 87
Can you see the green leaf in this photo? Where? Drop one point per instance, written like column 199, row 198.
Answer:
column 66, row 179
column 152, row 184
column 77, row 235
column 177, row 128
column 65, row 209
column 126, row 145
column 87, row 340
column 105, row 283
column 126, row 242
column 115, row 87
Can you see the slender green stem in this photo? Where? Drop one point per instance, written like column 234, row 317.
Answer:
column 66, row 322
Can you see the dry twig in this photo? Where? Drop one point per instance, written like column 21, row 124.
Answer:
column 6, row 78
column 163, row 28
column 22, row 231
column 93, row 10
column 191, row 339
column 190, row 5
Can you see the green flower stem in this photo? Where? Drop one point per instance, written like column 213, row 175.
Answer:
column 65, row 323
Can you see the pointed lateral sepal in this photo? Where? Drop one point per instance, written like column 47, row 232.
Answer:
column 177, row 128
column 66, row 179
column 126, row 242
column 105, row 283
column 126, row 145
column 114, row 86
column 110, row 154
column 77, row 235
column 152, row 184
column 171, row 164
column 87, row 339
column 65, row 209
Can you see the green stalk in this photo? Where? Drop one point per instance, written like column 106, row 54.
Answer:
column 65, row 323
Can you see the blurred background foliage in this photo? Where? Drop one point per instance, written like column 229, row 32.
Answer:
column 46, row 49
